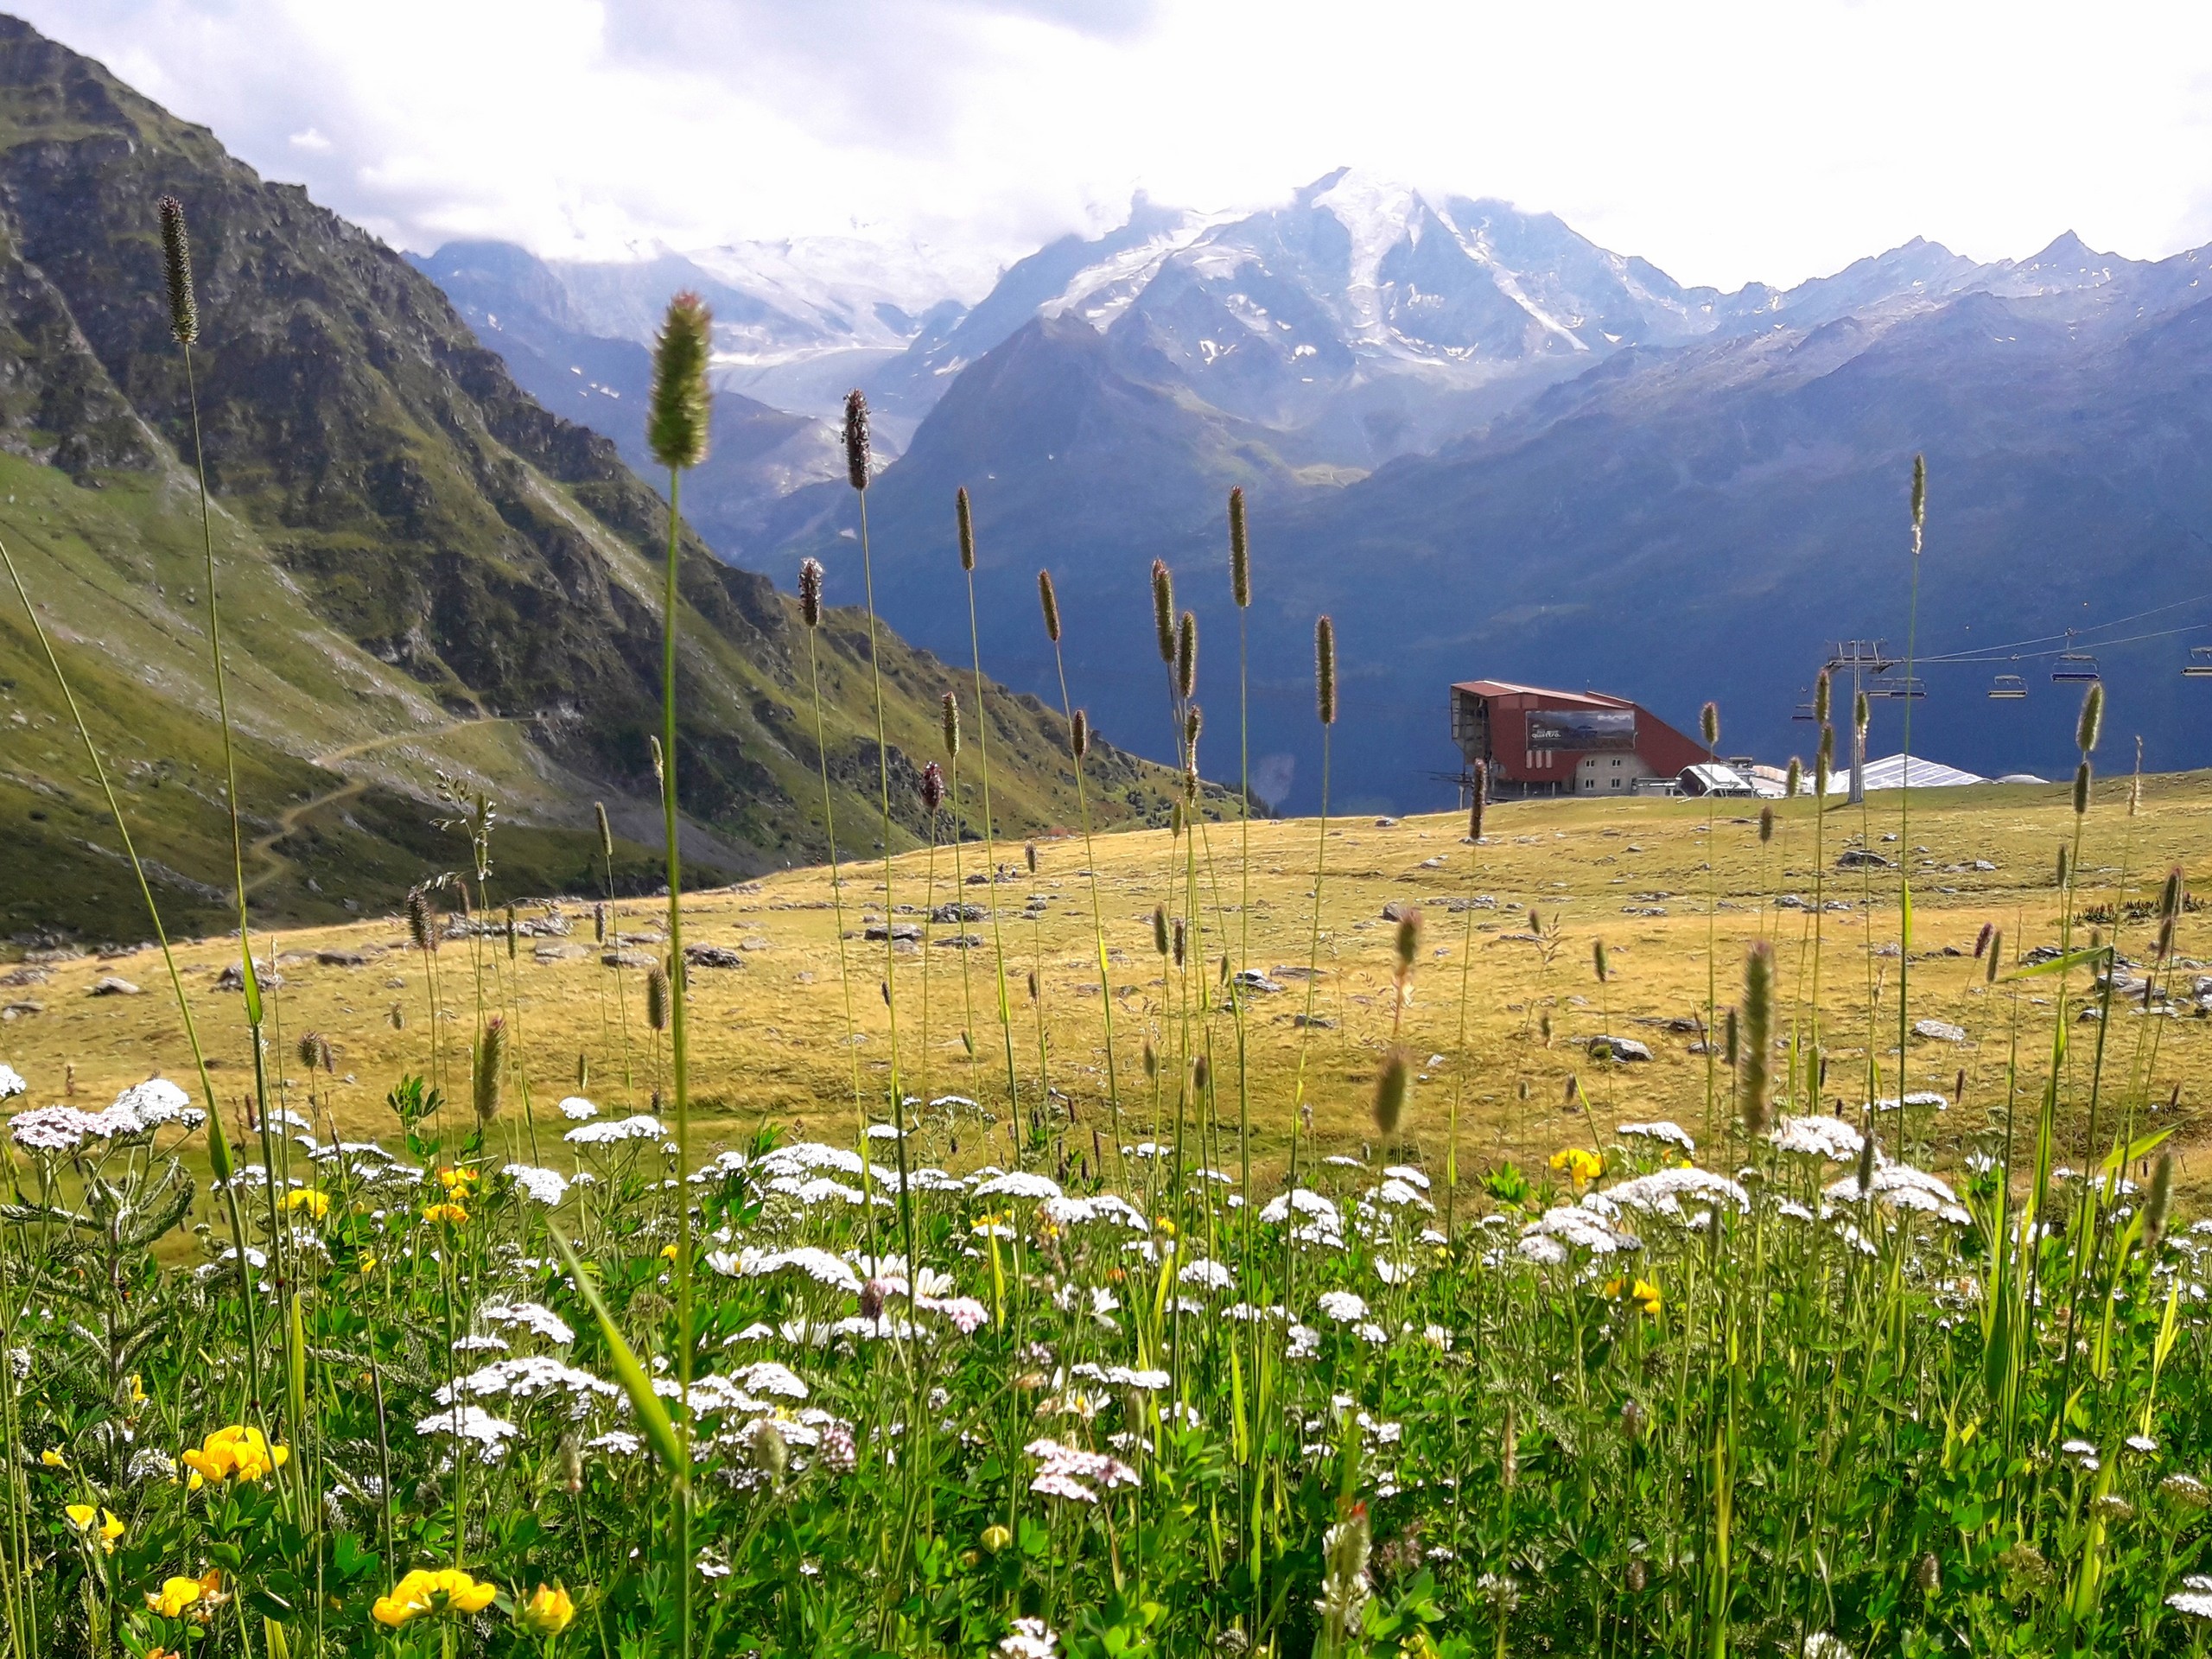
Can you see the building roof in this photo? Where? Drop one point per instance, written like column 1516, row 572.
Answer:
column 1888, row 772
column 1508, row 688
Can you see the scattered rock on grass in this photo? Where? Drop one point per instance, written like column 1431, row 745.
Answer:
column 1618, row 1048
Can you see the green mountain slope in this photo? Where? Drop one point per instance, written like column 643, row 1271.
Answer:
column 423, row 571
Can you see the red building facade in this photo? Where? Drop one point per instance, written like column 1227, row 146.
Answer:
column 1537, row 741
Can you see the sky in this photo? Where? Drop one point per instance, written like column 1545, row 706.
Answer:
column 1726, row 142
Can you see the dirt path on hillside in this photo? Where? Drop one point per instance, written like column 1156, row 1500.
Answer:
column 264, row 847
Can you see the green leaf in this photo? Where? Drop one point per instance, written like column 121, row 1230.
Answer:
column 253, row 983
column 2060, row 965
column 652, row 1417
column 2120, row 1155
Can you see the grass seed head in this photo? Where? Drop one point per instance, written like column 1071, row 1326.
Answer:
column 490, row 1068
column 1151, row 1054
column 1051, row 602
column 1824, row 762
column 1598, row 960
column 1182, row 939
column 1730, row 1048
column 1186, row 656
column 1919, row 499
column 1159, row 929
column 1408, row 940
column 2062, row 864
column 1240, row 552
column 949, row 718
column 1029, row 855
column 2092, row 723
column 1079, row 733
column 599, row 923
column 657, row 997
column 1766, row 824
column 2082, row 788
column 1324, row 669
column 1201, row 1074
column 1982, row 940
column 176, row 267
column 966, row 517
column 1861, row 713
column 932, row 789
column 1758, row 1018
column 1866, row 1171
column 1481, row 791
column 1795, row 777
column 1392, row 1088
column 583, row 1070
column 1821, row 696
column 676, row 419
column 1033, row 987
column 856, row 457
column 606, row 832
column 422, row 920
column 2159, row 1207
column 1163, row 610
column 810, row 592
column 1709, row 725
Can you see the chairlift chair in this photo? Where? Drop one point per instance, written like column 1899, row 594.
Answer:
column 2009, row 688
column 2199, row 665
column 2072, row 664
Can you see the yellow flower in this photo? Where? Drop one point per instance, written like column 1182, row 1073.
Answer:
column 138, row 1390
column 53, row 1459
column 991, row 1227
column 1163, row 1224
column 178, row 1597
column 547, row 1612
column 669, row 1252
column 236, row 1453
column 80, row 1515
column 1580, row 1165
column 1647, row 1298
column 458, row 1183
column 995, row 1539
column 175, row 1595
column 447, row 1590
column 313, row 1199
column 453, row 1214
column 367, row 1264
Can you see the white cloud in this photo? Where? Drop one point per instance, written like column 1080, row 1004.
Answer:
column 1734, row 141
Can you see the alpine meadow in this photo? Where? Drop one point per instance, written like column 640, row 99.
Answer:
column 566, row 1102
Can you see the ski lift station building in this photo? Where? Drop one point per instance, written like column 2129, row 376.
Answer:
column 1540, row 742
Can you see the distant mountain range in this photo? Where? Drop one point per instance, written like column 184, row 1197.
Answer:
column 1490, row 447
column 427, row 573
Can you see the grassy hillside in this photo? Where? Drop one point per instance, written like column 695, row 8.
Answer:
column 768, row 1035
column 423, row 571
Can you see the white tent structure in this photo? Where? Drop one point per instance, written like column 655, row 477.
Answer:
column 1888, row 772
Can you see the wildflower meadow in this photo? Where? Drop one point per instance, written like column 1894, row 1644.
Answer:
column 515, row 1376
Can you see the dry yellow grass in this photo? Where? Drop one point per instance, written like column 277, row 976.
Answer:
column 768, row 1037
